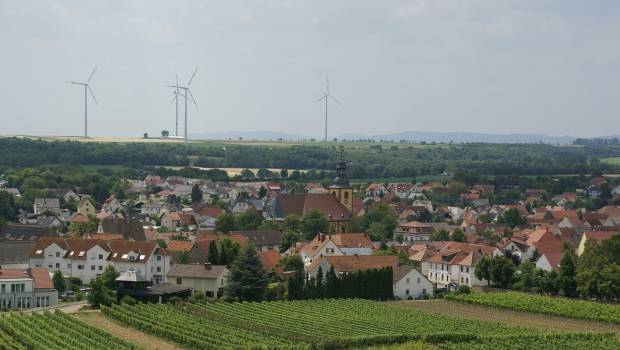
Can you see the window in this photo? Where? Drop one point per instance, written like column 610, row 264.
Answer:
column 100, row 268
column 461, row 268
column 100, row 256
column 159, row 258
column 418, row 280
column 57, row 265
column 49, row 266
column 179, row 280
column 407, row 291
column 158, row 269
column 3, row 289
column 209, row 294
column 92, row 268
column 80, row 267
column 407, row 280
column 467, row 269
column 81, row 253
column 424, row 291
column 58, row 254
column 69, row 266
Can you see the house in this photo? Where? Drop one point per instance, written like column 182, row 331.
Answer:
column 549, row 261
column 86, row 259
column 131, row 229
column 597, row 236
column 263, row 239
column 336, row 244
column 175, row 219
column 414, row 231
column 376, row 190
column 454, row 264
column 68, row 195
column 46, row 205
column 133, row 283
column 86, row 207
column 409, row 283
column 26, row 288
column 352, row 263
column 270, row 259
column 111, row 204
column 151, row 208
column 207, row 279
column 12, row 191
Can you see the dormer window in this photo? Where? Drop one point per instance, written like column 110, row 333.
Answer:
column 124, row 256
column 142, row 257
column 39, row 252
column 114, row 255
column 81, row 253
column 71, row 253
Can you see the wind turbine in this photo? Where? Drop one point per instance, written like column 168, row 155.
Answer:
column 326, row 97
column 87, row 89
column 186, row 93
column 175, row 99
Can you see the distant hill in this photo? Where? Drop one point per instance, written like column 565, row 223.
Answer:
column 460, row 137
column 419, row 136
column 248, row 135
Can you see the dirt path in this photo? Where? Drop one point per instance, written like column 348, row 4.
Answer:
column 95, row 318
column 515, row 318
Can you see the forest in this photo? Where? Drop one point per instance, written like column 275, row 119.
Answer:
column 374, row 160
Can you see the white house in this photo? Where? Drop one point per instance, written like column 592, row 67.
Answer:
column 206, row 279
column 336, row 244
column 86, row 259
column 409, row 283
column 42, row 205
column 26, row 288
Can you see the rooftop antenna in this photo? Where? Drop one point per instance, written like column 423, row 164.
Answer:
column 186, row 93
column 326, row 97
column 87, row 89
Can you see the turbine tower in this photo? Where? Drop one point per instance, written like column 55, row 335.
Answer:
column 326, row 97
column 186, row 93
column 175, row 99
column 87, row 89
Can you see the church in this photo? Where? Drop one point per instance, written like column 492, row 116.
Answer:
column 337, row 205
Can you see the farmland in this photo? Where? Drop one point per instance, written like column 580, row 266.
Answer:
column 330, row 324
column 53, row 331
column 571, row 308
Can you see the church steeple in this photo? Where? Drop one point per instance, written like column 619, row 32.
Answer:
column 340, row 184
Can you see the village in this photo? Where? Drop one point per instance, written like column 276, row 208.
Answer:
column 177, row 237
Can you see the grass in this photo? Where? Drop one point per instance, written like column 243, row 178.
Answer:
column 611, row 160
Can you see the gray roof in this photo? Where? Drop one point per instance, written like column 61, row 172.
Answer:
column 262, row 237
column 19, row 232
column 197, row 270
column 130, row 276
column 12, row 252
column 47, row 202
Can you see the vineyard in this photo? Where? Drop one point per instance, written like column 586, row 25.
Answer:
column 53, row 331
column 329, row 324
column 579, row 309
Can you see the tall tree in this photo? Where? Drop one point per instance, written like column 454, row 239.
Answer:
column 225, row 223
column 292, row 222
column 314, row 222
column 109, row 277
column 214, row 254
column 246, row 280
column 568, row 273
column 59, row 282
column 483, row 269
column 289, row 239
column 196, row 194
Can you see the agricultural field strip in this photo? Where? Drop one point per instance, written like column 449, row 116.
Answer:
column 360, row 318
column 578, row 309
column 539, row 342
column 54, row 331
column 163, row 320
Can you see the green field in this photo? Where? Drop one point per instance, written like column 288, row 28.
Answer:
column 53, row 331
column 579, row 309
column 611, row 160
column 334, row 324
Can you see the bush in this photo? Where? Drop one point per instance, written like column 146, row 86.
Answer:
column 464, row 290
column 78, row 296
column 175, row 300
column 197, row 297
column 128, row 300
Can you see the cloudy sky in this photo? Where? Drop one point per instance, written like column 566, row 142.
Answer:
column 444, row 65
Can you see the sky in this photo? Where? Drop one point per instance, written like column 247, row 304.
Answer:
column 523, row 66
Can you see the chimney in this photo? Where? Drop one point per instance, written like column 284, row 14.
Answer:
column 207, row 266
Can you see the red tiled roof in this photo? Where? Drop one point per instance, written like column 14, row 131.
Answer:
column 600, row 235
column 179, row 246
column 41, row 278
column 269, row 259
column 351, row 263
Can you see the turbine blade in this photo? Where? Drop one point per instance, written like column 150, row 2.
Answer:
column 75, row 82
column 92, row 94
column 333, row 98
column 174, row 98
column 189, row 92
column 91, row 74
column 192, row 78
column 321, row 99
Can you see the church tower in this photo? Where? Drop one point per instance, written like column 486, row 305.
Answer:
column 340, row 185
